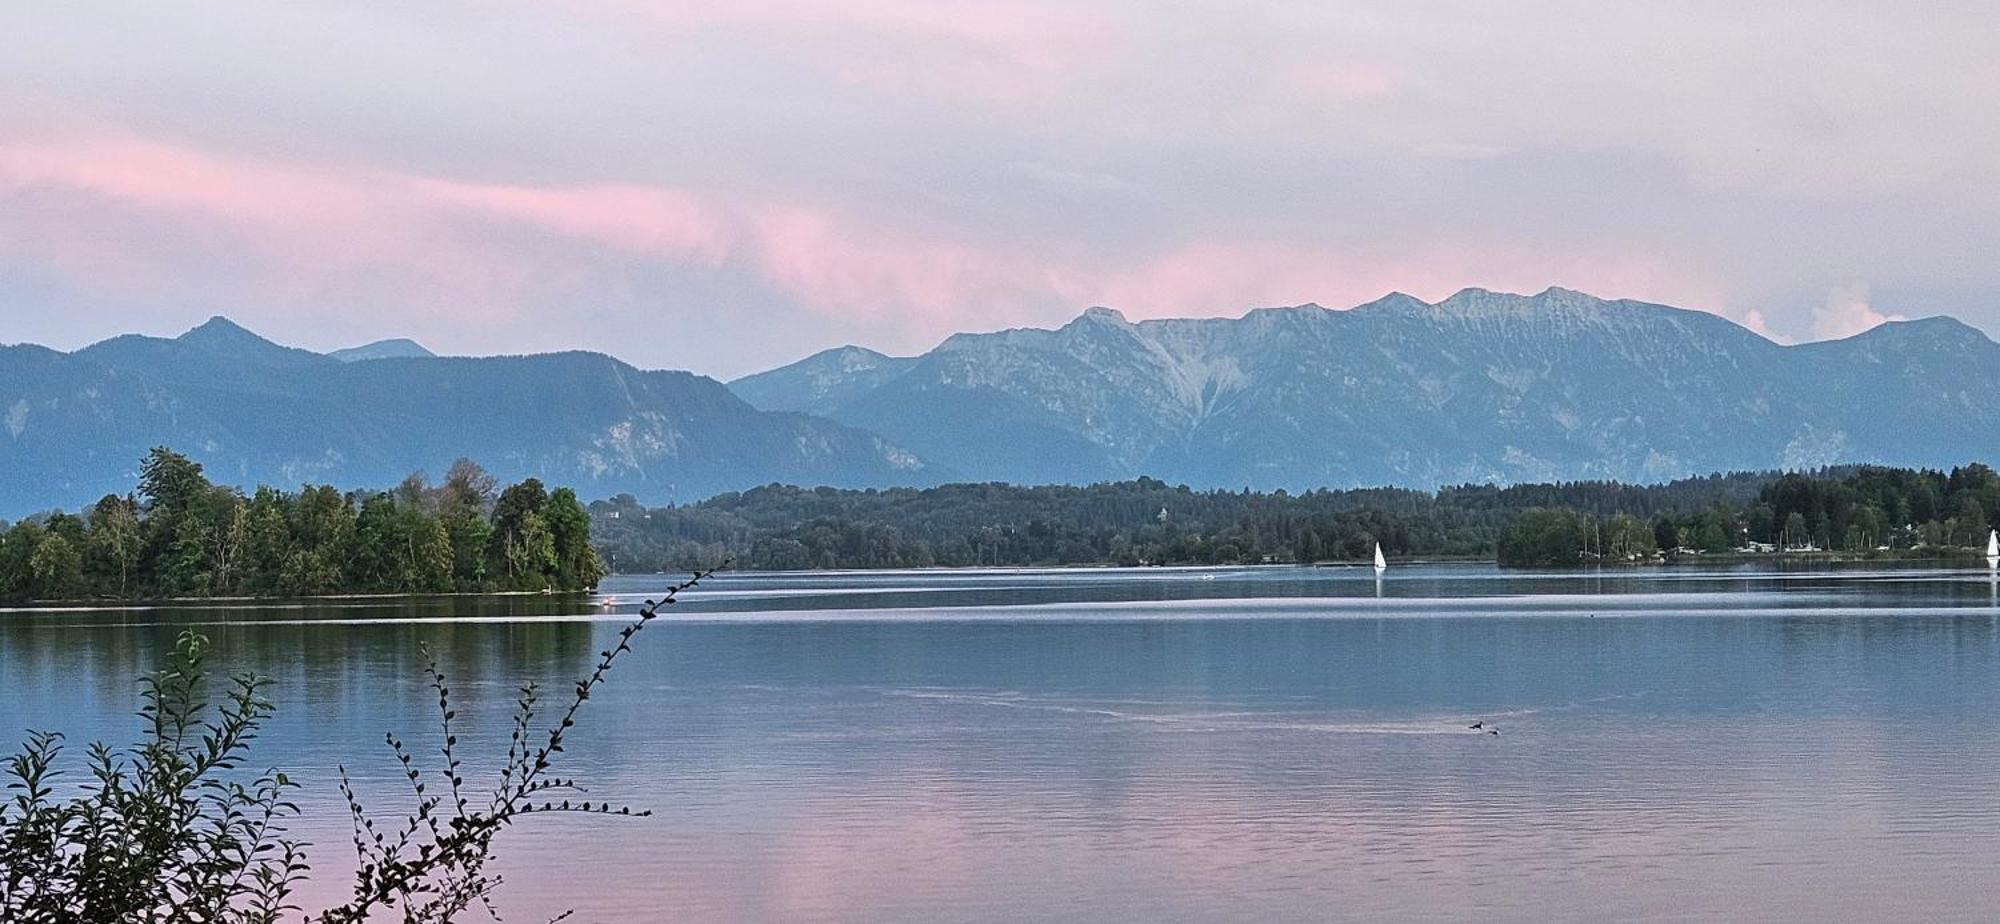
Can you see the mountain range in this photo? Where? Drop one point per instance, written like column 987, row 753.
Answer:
column 74, row 426
column 1480, row 387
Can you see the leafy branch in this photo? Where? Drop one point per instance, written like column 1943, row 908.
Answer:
column 176, row 829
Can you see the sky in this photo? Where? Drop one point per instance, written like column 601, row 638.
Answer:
column 725, row 187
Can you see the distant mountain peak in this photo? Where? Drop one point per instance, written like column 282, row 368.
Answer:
column 1482, row 386
column 822, row 379
column 1932, row 331
column 1395, row 302
column 848, row 359
column 395, row 348
column 852, row 352
column 219, row 329
column 1475, row 300
column 1302, row 308
column 1553, row 301
column 221, row 335
column 1938, row 325
column 1101, row 313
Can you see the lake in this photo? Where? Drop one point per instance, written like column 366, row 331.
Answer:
column 1139, row 745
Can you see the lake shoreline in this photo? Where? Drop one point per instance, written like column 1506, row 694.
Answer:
column 1967, row 559
column 142, row 602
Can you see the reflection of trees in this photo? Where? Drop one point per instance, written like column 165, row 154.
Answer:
column 78, row 671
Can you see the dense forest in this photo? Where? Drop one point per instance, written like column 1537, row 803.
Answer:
column 179, row 535
column 1859, row 510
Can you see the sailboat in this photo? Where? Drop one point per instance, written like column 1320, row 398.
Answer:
column 1381, row 564
column 1993, row 548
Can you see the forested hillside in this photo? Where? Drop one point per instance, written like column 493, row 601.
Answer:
column 1147, row 521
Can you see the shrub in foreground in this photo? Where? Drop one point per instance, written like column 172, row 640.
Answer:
column 179, row 828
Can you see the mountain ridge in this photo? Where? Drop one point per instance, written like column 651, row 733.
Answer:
column 392, row 348
column 73, row 426
column 1482, row 386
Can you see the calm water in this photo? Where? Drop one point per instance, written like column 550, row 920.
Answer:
column 1146, row 745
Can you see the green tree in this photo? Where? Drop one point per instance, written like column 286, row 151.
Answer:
column 521, row 552
column 1714, row 535
column 170, row 482
column 469, row 536
column 576, row 563
column 1865, row 532
column 268, row 546
column 1763, row 523
column 113, row 544
column 431, row 557
column 529, row 554
column 17, row 554
column 1795, row 534
column 1307, row 549
column 57, row 568
column 1665, row 535
column 398, row 547
column 1627, row 539
column 380, row 548
column 229, row 532
column 323, row 541
column 1971, row 519
column 1543, row 537
column 178, row 530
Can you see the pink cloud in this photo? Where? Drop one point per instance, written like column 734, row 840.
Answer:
column 1344, row 80
column 824, row 259
column 134, row 214
column 1847, row 312
column 1755, row 321
column 313, row 229
column 638, row 218
column 977, row 50
column 139, row 213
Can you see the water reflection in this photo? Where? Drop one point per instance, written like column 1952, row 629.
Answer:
column 1146, row 745
column 107, row 649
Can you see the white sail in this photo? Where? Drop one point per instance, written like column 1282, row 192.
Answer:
column 1381, row 564
column 1993, row 543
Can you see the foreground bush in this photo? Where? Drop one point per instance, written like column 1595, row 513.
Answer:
column 179, row 829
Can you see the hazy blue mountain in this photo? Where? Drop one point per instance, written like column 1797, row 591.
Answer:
column 1482, row 386
column 398, row 348
column 820, row 382
column 73, row 426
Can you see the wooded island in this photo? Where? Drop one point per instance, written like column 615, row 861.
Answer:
column 180, row 535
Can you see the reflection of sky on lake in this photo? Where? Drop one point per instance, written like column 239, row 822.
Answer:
column 1241, row 744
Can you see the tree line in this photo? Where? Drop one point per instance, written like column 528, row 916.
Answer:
column 1862, row 509
column 180, row 535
